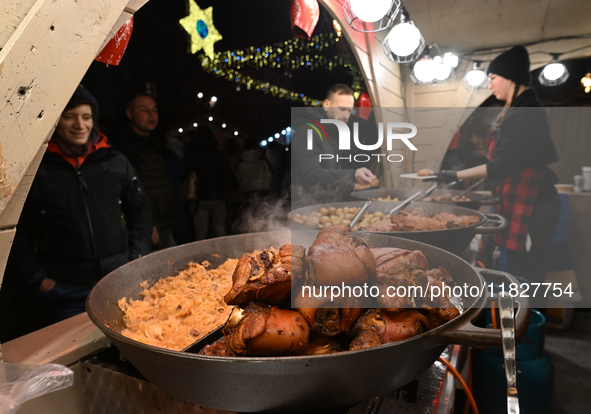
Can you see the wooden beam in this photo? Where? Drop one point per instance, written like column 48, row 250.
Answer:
column 14, row 207
column 6, row 238
column 46, row 48
column 62, row 343
column 12, row 12
column 40, row 66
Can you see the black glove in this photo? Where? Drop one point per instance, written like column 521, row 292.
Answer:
column 444, row 176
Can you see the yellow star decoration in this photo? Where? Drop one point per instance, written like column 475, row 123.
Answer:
column 199, row 25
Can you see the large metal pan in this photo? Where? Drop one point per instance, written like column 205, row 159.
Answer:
column 453, row 240
column 283, row 383
column 476, row 200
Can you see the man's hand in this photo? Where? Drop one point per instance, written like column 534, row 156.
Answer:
column 364, row 176
column 444, row 176
column 46, row 285
column 155, row 235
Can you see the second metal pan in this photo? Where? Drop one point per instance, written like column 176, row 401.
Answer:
column 454, row 240
column 476, row 200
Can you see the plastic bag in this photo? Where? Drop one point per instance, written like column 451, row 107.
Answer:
column 20, row 383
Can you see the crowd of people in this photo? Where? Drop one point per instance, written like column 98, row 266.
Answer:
column 103, row 198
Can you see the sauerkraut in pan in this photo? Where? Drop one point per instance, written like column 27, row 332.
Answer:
column 180, row 309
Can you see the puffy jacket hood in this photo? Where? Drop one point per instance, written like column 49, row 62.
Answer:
column 76, row 162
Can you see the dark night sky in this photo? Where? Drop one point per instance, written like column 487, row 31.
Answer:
column 157, row 59
column 157, row 56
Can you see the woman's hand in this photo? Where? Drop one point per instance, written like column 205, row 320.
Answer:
column 444, row 176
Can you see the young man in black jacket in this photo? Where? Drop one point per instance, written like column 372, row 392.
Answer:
column 71, row 231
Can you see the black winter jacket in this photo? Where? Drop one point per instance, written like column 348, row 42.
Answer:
column 315, row 181
column 71, row 227
column 523, row 141
column 148, row 161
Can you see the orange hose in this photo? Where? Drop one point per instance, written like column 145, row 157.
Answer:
column 479, row 263
column 467, row 405
column 457, row 375
column 493, row 314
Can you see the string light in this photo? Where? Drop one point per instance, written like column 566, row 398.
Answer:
column 292, row 54
column 277, row 137
column 337, row 28
column 266, row 87
column 586, row 82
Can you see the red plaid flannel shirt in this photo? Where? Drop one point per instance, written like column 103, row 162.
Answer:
column 518, row 195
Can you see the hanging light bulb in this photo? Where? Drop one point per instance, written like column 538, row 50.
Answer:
column 371, row 16
column 554, row 73
column 370, row 10
column 442, row 70
column 424, row 70
column 404, row 39
column 586, row 82
column 436, row 70
column 476, row 78
column 451, row 60
column 404, row 43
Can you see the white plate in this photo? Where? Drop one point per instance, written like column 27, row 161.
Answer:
column 416, row 177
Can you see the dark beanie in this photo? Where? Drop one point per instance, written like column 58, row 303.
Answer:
column 512, row 64
column 83, row 96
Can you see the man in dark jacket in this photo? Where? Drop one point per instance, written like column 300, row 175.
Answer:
column 137, row 142
column 71, row 231
column 330, row 180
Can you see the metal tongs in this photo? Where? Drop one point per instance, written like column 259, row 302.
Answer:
column 506, row 313
column 359, row 214
column 461, row 180
column 468, row 189
column 419, row 194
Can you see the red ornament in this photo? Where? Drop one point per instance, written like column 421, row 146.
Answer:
column 364, row 105
column 304, row 15
column 114, row 50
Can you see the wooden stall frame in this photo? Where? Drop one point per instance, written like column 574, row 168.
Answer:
column 46, row 48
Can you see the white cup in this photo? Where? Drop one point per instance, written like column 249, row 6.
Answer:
column 586, row 178
column 578, row 183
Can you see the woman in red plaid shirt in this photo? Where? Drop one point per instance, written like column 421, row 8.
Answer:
column 518, row 161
